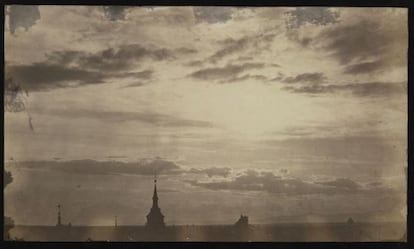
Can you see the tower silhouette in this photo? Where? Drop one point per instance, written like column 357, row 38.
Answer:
column 59, row 218
column 155, row 219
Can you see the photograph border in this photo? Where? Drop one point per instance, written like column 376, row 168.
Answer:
column 296, row 245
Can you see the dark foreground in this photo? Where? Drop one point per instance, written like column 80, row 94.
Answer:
column 287, row 232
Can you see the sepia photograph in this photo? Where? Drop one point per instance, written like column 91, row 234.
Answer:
column 205, row 123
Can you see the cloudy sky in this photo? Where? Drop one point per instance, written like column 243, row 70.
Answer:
column 282, row 114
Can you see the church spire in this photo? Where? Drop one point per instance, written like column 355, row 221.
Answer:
column 155, row 219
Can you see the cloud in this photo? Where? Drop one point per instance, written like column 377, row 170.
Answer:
column 279, row 77
column 143, row 75
column 368, row 89
column 363, row 41
column 369, row 151
column 210, row 172
column 306, row 77
column 284, row 171
column 115, row 13
column 245, row 58
column 24, row 16
column 44, row 76
column 223, row 73
column 121, row 58
column 357, row 41
column 342, row 183
column 186, row 51
column 213, row 14
column 194, row 63
column 135, row 84
column 311, row 15
column 70, row 68
column 367, row 40
column 230, row 46
column 295, row 131
column 252, row 180
column 121, row 116
column 148, row 167
column 245, row 77
column 116, row 157
column 143, row 167
column 364, row 67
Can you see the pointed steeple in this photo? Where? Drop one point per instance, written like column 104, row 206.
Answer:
column 155, row 219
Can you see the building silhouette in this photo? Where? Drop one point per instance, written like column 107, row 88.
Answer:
column 242, row 222
column 155, row 219
column 59, row 218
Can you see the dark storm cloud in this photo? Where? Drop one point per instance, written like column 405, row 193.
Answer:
column 44, row 76
column 369, row 89
column 252, row 180
column 115, row 13
column 364, row 67
column 119, row 116
column 212, row 14
column 210, row 172
column 24, row 16
column 311, row 15
column 222, row 73
column 306, row 77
